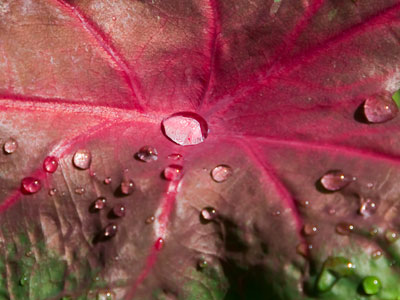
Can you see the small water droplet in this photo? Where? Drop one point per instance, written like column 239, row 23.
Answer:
column 208, row 214
column 276, row 213
column 10, row 146
column 185, row 128
column 29, row 254
column 202, row 264
column 332, row 211
column 159, row 244
column 52, row 192
column 79, row 190
column 127, row 186
column 376, row 254
column 335, row 180
column 380, row 108
column 100, row 203
column 303, row 249
column 371, row 285
column 82, row 159
column 367, row 208
column 24, row 280
column 150, row 220
column 30, row 185
column 110, row 230
column 175, row 156
column 309, row 229
column 107, row 180
column 344, row 228
column 114, row 18
column 221, row 173
column 391, row 236
column 119, row 210
column 304, row 203
column 147, row 154
column 173, row 172
column 105, row 295
column 50, row 164
column 374, row 231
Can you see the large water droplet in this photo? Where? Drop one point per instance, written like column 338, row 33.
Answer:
column 119, row 210
column 10, row 146
column 159, row 244
column 185, row 128
column 100, row 203
column 147, row 154
column 367, row 208
column 335, row 180
column 371, row 285
column 344, row 228
column 221, row 173
column 110, row 230
column 127, row 186
column 380, row 108
column 82, row 159
column 309, row 229
column 208, row 214
column 334, row 268
column 173, row 172
column 50, row 164
column 30, row 185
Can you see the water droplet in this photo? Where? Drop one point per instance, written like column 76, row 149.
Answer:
column 52, row 192
column 185, row 128
column 276, row 213
column 50, row 164
column 303, row 249
column 110, row 230
column 79, row 190
column 334, row 268
column 335, row 180
column 24, row 280
column 147, row 154
column 29, row 254
column 173, row 172
column 380, row 108
column 221, row 173
column 105, row 295
column 150, row 220
column 309, row 229
column 100, row 203
column 10, row 146
column 376, row 254
column 159, row 244
column 374, row 231
column 208, row 214
column 202, row 264
column 371, row 285
column 119, row 210
column 82, row 159
column 391, row 236
column 304, row 203
column 367, row 208
column 30, row 185
column 344, row 228
column 175, row 156
column 127, row 186
column 107, row 180
column 114, row 18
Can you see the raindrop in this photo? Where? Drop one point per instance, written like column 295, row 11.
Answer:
column 150, row 220
column 100, row 203
column 50, row 164
column 147, row 154
column 79, row 190
column 208, row 214
column 344, row 228
column 175, row 156
column 110, row 230
column 380, row 108
column 371, row 285
column 159, row 244
column 309, row 229
column 173, row 172
column 82, row 159
column 119, row 210
column 335, row 180
column 30, row 185
column 376, row 254
column 367, row 208
column 10, row 146
column 105, row 295
column 107, row 180
column 185, row 128
column 221, row 173
column 127, row 186
column 52, row 192
column 391, row 236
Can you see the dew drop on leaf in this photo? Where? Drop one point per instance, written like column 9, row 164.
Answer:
column 52, row 192
column 79, row 190
column 173, row 172
column 105, row 295
column 391, row 236
column 159, row 244
column 10, row 146
column 175, row 156
column 309, row 229
column 110, row 230
column 119, row 210
column 202, row 264
column 344, row 228
column 333, row 269
column 107, row 180
column 380, row 108
column 221, row 173
column 208, row 214
column 100, row 203
column 82, row 159
column 50, row 164
column 185, row 128
column 371, row 285
column 335, row 180
column 376, row 254
column 150, row 220
column 147, row 154
column 367, row 208
column 127, row 186
column 302, row 249
column 30, row 185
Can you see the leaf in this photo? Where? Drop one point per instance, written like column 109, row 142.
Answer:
column 280, row 84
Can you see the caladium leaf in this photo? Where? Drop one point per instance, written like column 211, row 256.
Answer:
column 270, row 92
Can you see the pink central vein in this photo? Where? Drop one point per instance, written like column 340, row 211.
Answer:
column 166, row 208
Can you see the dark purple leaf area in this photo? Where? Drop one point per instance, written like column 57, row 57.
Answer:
column 278, row 82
